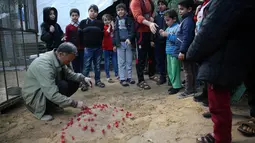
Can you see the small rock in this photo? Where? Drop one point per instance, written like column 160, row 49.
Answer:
column 30, row 127
column 150, row 140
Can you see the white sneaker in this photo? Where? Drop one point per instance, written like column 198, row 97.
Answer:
column 46, row 118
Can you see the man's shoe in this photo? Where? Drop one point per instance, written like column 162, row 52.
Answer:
column 46, row 118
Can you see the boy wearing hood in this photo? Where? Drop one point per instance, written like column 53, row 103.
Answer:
column 52, row 33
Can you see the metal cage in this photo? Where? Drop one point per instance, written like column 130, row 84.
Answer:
column 18, row 41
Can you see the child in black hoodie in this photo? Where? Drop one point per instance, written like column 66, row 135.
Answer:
column 52, row 33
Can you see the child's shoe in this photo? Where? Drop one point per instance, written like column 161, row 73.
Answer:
column 129, row 80
column 110, row 80
column 124, row 83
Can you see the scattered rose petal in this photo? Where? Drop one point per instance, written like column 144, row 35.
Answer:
column 121, row 109
column 84, row 128
column 72, row 137
column 108, row 126
column 95, row 115
column 79, row 125
column 113, row 115
column 63, row 132
column 123, row 119
column 92, row 130
column 103, row 131
column 62, row 141
column 78, row 119
column 62, row 136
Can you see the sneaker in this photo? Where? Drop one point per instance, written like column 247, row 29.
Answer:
column 184, row 95
column 110, row 80
column 124, row 83
column 207, row 115
column 46, row 118
column 200, row 98
column 173, row 91
column 161, row 81
column 129, row 80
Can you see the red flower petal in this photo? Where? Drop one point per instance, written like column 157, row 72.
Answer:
column 113, row 115
column 63, row 132
column 84, row 128
column 62, row 137
column 103, row 131
column 121, row 109
column 123, row 119
column 108, row 126
column 72, row 137
column 62, row 141
column 92, row 130
column 78, row 119
column 95, row 115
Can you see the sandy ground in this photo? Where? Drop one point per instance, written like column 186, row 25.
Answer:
column 157, row 118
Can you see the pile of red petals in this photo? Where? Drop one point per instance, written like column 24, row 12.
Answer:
column 88, row 111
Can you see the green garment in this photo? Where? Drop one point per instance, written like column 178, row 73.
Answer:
column 40, row 83
column 174, row 71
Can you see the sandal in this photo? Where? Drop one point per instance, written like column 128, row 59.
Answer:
column 154, row 78
column 143, row 85
column 248, row 128
column 206, row 139
column 100, row 84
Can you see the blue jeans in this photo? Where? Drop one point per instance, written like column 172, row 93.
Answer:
column 92, row 55
column 107, row 55
column 125, row 61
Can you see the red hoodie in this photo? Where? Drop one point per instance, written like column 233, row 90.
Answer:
column 107, row 41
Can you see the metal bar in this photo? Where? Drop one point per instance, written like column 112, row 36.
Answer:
column 22, row 32
column 17, row 29
column 2, row 57
column 13, row 47
column 36, row 25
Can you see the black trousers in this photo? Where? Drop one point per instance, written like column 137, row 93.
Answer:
column 250, row 83
column 160, row 57
column 144, row 49
column 67, row 88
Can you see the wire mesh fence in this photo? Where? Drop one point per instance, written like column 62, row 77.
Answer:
column 18, row 42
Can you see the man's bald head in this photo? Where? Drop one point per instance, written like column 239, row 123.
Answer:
column 68, row 48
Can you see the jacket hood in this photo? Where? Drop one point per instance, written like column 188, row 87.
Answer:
column 46, row 15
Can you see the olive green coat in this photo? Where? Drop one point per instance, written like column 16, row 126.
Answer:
column 40, row 83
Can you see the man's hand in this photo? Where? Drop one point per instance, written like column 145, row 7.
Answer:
column 81, row 105
column 128, row 42
column 114, row 49
column 153, row 27
column 88, row 81
column 181, row 56
column 52, row 28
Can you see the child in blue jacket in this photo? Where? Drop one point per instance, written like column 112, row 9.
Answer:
column 185, row 36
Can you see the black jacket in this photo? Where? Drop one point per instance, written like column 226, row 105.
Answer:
column 129, row 22
column 159, row 20
column 224, row 45
column 52, row 40
column 91, row 33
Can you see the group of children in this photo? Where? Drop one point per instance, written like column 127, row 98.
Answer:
column 94, row 37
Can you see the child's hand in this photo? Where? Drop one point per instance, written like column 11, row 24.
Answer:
column 181, row 56
column 114, row 49
column 163, row 33
column 152, row 44
column 151, row 19
column 64, row 38
column 128, row 42
column 52, row 28
column 160, row 31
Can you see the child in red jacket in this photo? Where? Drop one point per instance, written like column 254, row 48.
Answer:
column 73, row 37
column 108, row 48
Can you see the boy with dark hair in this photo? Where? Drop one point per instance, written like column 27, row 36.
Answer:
column 73, row 37
column 160, row 42
column 185, row 36
column 91, row 33
column 108, row 48
column 123, row 36
column 52, row 33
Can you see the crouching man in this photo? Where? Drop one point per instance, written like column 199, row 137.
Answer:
column 49, row 83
